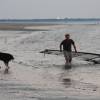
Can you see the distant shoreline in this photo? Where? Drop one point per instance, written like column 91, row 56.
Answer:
column 55, row 21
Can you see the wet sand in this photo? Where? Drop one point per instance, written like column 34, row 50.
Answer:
column 30, row 27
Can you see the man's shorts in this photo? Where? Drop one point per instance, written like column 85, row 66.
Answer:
column 67, row 54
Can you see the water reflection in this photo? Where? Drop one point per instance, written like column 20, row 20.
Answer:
column 67, row 82
column 6, row 71
column 67, row 67
column 66, row 77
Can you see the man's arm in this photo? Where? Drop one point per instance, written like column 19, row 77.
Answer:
column 73, row 43
column 60, row 47
column 75, row 48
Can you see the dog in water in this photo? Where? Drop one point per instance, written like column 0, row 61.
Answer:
column 6, row 58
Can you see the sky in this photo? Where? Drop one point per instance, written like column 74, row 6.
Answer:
column 40, row 9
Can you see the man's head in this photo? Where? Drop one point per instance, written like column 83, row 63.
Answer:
column 67, row 36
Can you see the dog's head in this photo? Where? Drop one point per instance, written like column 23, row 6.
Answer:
column 12, row 58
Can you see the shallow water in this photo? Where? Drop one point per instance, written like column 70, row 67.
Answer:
column 35, row 76
column 52, row 83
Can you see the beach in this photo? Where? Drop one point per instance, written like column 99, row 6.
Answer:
column 38, row 76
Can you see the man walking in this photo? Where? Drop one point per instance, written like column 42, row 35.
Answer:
column 67, row 48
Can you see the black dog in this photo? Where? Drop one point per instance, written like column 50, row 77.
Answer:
column 6, row 57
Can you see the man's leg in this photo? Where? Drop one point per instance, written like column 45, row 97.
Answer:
column 70, row 57
column 66, row 57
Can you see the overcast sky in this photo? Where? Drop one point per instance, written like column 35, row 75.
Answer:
column 49, row 9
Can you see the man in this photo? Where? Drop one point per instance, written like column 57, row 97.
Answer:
column 67, row 48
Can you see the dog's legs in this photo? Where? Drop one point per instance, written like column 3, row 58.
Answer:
column 7, row 67
column 6, row 64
